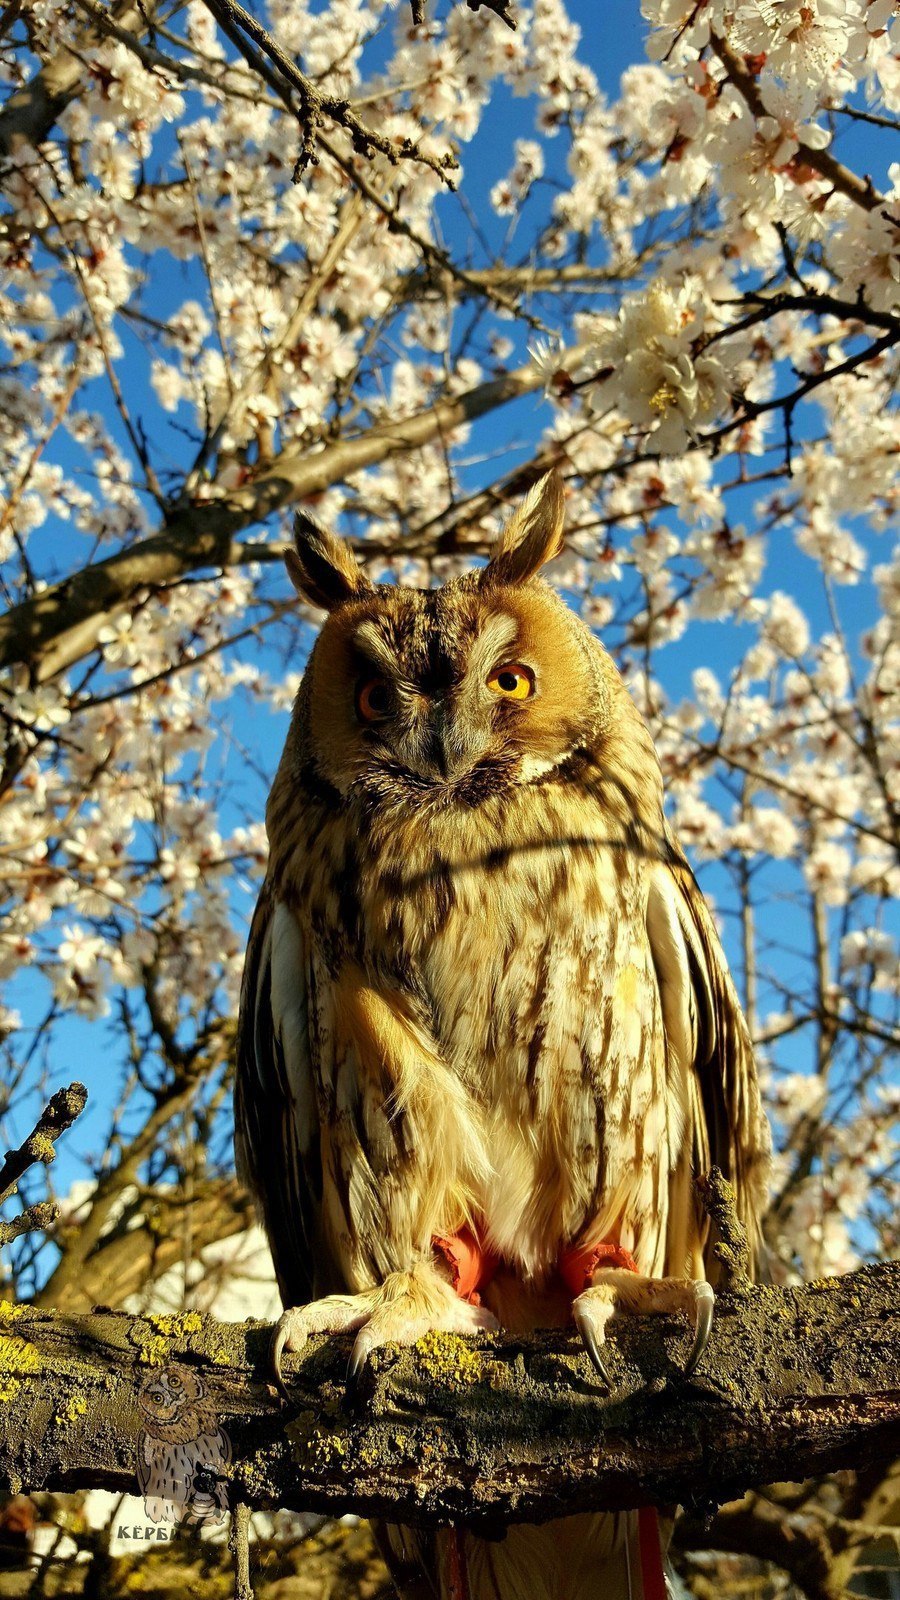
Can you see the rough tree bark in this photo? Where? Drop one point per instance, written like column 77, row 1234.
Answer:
column 795, row 1382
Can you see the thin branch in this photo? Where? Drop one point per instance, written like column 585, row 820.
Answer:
column 436, row 257
column 59, row 411
column 138, row 444
column 313, row 106
column 39, row 1148
column 57, row 1116
column 501, row 8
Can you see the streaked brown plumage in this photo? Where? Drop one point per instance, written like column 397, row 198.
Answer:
column 482, row 985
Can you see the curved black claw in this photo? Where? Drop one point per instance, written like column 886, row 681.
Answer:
column 355, row 1365
column 703, row 1318
column 592, row 1344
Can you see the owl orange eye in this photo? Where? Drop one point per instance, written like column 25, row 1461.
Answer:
column 512, row 682
column 373, row 700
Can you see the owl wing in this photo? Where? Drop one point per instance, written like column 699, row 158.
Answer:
column 711, row 1071
column 144, row 1466
column 211, row 1449
column 277, row 1135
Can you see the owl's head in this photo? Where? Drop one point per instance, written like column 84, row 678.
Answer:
column 451, row 692
column 167, row 1396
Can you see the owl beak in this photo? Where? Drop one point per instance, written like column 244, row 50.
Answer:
column 445, row 751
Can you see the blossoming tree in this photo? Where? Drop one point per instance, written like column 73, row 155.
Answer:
column 249, row 261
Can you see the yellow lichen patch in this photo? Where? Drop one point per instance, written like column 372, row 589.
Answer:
column 41, row 1148
column 9, row 1310
column 9, row 1388
column 155, row 1353
column 447, row 1358
column 218, row 1354
column 74, row 1408
column 17, row 1356
column 154, row 1337
column 316, row 1447
column 176, row 1326
column 153, row 1349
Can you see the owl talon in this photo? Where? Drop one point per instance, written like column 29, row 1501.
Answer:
column 703, row 1318
column 337, row 1313
column 619, row 1289
column 398, row 1312
column 276, row 1350
column 593, row 1340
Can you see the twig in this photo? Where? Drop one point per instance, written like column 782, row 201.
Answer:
column 873, row 117
column 137, row 443
column 57, row 1116
column 349, row 224
column 207, row 267
column 733, row 1248
column 154, row 60
column 239, row 1544
column 432, row 253
column 59, row 411
column 34, row 1219
column 499, row 7
column 235, row 21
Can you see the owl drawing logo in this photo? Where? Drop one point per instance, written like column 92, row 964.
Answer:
column 182, row 1449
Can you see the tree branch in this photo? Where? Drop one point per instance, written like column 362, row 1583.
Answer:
column 56, row 628
column 823, row 162
column 795, row 1382
column 40, row 1147
column 30, row 113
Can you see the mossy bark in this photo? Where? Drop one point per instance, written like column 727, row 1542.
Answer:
column 795, row 1382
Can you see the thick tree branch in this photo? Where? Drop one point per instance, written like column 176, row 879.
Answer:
column 795, row 1382
column 59, row 626
column 29, row 115
column 149, row 1241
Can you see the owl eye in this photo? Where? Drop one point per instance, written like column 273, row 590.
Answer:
column 373, row 700
column 512, row 681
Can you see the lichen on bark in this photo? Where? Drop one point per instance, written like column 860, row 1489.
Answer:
column 794, row 1382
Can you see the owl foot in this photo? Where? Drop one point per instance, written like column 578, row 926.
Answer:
column 399, row 1311
column 336, row 1313
column 616, row 1289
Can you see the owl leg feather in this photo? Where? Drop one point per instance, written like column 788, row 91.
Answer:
column 617, row 1289
column 398, row 1311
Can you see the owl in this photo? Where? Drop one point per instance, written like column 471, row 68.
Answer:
column 182, row 1449
column 488, row 1037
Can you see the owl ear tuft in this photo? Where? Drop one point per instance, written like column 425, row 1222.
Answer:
column 322, row 567
column 533, row 535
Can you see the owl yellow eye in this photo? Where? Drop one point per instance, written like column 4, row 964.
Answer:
column 373, row 700
column 512, row 682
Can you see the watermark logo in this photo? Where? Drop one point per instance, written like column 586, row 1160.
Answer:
column 182, row 1454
